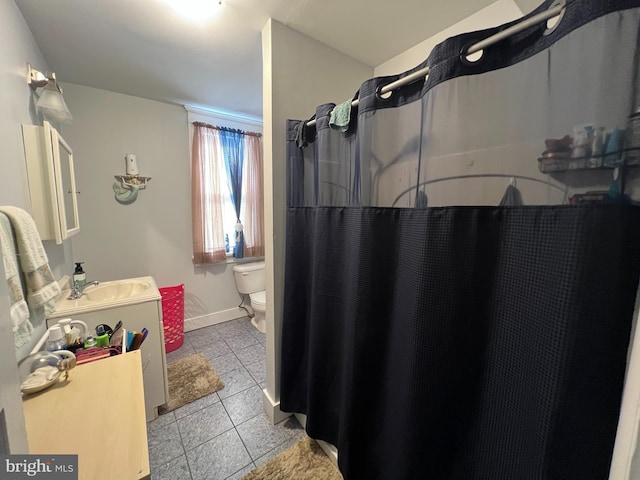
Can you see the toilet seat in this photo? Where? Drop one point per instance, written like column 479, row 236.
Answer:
column 259, row 300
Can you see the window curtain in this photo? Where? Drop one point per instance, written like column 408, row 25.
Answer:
column 206, row 196
column 233, row 149
column 254, row 221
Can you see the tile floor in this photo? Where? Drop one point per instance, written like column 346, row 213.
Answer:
column 226, row 434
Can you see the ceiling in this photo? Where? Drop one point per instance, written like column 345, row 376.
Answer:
column 147, row 49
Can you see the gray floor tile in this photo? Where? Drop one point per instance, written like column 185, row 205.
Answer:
column 225, row 363
column 185, row 341
column 251, row 354
column 261, row 337
column 215, row 349
column 244, row 405
column 177, row 469
column 239, row 342
column 183, row 352
column 203, row 425
column 258, row 371
column 202, row 336
column 235, row 381
column 161, row 421
column 218, row 458
column 246, row 321
column 240, row 474
column 164, row 445
column 199, row 404
column 232, row 328
column 260, row 436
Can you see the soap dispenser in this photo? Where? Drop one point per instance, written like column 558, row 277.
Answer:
column 79, row 277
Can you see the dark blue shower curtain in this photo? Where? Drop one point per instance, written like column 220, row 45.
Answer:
column 430, row 333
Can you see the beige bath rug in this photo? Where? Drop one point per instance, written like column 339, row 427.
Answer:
column 304, row 461
column 190, row 378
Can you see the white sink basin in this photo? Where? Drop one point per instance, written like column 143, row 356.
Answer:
column 107, row 295
column 118, row 290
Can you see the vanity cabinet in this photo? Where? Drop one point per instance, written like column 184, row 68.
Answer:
column 52, row 185
column 135, row 317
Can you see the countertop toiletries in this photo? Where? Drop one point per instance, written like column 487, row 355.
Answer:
column 72, row 333
column 65, row 323
column 117, row 327
column 56, row 339
column 90, row 341
column 102, row 337
column 79, row 277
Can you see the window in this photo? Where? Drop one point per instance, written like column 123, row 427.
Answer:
column 226, row 165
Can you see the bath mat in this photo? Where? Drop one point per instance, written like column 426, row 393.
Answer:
column 190, row 378
column 304, row 461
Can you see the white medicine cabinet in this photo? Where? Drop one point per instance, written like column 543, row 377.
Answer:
column 52, row 184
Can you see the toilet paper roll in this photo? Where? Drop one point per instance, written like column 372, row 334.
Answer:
column 131, row 164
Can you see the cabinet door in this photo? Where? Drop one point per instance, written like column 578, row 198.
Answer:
column 65, row 185
column 52, row 186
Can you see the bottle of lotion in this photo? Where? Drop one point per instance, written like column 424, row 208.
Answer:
column 79, row 277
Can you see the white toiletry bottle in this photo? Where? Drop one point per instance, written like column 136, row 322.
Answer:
column 79, row 277
column 56, row 339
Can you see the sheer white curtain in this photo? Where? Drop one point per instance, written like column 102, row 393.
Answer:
column 254, row 217
column 206, row 196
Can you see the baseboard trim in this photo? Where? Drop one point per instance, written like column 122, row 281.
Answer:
column 272, row 409
column 213, row 319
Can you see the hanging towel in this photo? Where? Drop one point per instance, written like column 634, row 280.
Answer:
column 42, row 289
column 511, row 197
column 19, row 311
column 341, row 116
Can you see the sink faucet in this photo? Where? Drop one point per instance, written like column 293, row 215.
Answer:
column 77, row 291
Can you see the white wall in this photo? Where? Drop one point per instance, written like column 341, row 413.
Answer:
column 299, row 73
column 152, row 236
column 496, row 14
column 17, row 47
column 18, row 107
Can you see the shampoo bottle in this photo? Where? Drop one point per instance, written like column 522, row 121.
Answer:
column 79, row 277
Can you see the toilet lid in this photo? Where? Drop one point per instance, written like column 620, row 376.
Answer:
column 259, row 298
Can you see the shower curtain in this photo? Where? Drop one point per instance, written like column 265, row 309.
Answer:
column 433, row 330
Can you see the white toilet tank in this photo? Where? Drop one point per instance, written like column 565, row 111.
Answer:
column 250, row 277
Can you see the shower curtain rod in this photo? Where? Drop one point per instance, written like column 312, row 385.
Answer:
column 564, row 191
column 476, row 47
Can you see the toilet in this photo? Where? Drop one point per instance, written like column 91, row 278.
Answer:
column 250, row 280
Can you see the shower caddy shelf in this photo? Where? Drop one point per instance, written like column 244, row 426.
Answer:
column 601, row 162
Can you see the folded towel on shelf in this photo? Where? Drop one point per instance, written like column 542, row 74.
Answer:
column 42, row 288
column 18, row 309
column 341, row 116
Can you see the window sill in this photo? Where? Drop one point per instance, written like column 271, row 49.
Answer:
column 231, row 260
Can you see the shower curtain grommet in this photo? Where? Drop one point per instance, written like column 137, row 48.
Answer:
column 384, row 97
column 464, row 55
column 550, row 29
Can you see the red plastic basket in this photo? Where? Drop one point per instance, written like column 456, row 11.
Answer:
column 173, row 316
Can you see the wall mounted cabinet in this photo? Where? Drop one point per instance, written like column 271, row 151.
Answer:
column 52, row 185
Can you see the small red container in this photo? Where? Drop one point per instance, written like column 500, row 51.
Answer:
column 173, row 316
